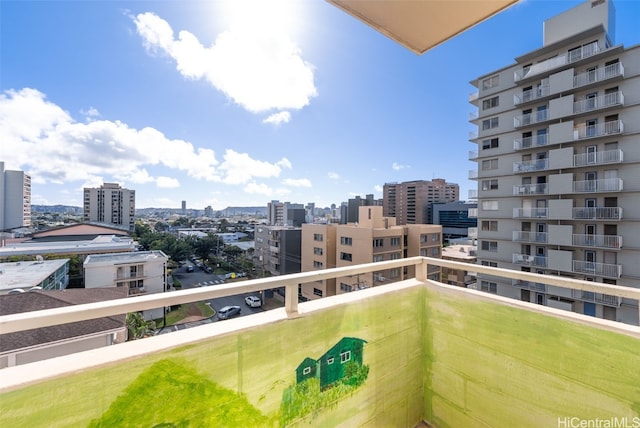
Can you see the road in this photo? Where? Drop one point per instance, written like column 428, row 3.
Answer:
column 199, row 278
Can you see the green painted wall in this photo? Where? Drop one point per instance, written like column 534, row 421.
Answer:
column 431, row 355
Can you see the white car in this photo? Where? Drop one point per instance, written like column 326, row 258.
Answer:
column 253, row 301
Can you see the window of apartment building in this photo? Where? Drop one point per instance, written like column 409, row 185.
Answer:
column 490, row 82
column 345, row 240
column 490, row 123
column 395, row 256
column 489, row 286
column 395, row 242
column 317, row 292
column 378, row 242
column 435, row 251
column 346, row 257
column 489, row 205
column 490, row 184
column 394, row 273
column 490, row 143
column 488, row 263
column 136, row 284
column 490, row 225
column 435, row 237
column 317, row 264
column 491, row 246
column 423, row 252
column 318, row 237
column 317, row 251
column 378, row 258
column 488, row 164
column 346, row 287
column 490, row 103
column 424, row 239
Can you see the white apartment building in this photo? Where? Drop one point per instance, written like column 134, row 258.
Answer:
column 110, row 204
column 559, row 165
column 143, row 272
column 15, row 199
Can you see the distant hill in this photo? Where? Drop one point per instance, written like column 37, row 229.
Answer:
column 229, row 211
column 62, row 209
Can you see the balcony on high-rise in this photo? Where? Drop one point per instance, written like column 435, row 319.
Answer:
column 597, row 213
column 586, row 130
column 598, row 185
column 558, row 61
column 598, row 241
column 597, row 75
column 529, row 236
column 392, row 355
column 609, row 270
column 530, row 189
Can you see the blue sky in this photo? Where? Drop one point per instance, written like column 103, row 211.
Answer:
column 204, row 102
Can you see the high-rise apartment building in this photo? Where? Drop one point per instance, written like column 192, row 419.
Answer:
column 559, row 165
column 285, row 214
column 15, row 199
column 411, row 202
column 374, row 238
column 110, row 204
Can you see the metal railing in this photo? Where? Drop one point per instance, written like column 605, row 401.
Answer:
column 600, row 241
column 530, row 189
column 590, row 296
column 530, row 118
column 597, row 213
column 530, row 212
column 528, row 236
column 528, row 142
column 473, row 173
column 612, row 127
column 531, row 166
column 592, row 76
column 598, row 158
column 596, row 103
column 600, row 185
column 473, row 155
column 472, row 213
column 529, row 260
column 583, row 52
column 601, row 269
column 529, row 285
column 531, row 94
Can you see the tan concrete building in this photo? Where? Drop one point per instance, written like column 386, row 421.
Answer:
column 460, row 277
column 559, row 165
column 15, row 199
column 110, row 204
column 411, row 202
column 374, row 238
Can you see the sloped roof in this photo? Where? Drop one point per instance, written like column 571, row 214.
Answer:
column 35, row 301
column 82, row 231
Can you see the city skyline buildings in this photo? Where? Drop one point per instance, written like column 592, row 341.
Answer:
column 199, row 142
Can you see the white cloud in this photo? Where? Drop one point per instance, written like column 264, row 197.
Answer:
column 333, row 175
column 396, row 166
column 259, row 188
column 41, row 138
column 257, row 66
column 167, row 182
column 278, row 118
column 299, row 182
column 90, row 113
column 378, row 188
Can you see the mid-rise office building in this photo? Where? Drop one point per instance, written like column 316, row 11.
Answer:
column 285, row 214
column 454, row 219
column 559, row 165
column 411, row 202
column 15, row 199
column 374, row 238
column 110, row 204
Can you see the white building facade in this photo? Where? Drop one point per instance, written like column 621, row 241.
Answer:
column 15, row 199
column 143, row 272
column 559, row 165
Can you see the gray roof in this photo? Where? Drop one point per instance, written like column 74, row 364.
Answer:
column 39, row 300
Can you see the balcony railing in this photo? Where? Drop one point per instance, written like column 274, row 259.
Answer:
column 599, row 241
column 530, row 212
column 218, row 372
column 598, row 158
column 600, row 298
column 529, row 260
column 593, row 76
column 473, row 155
column 530, row 118
column 530, row 285
column 612, row 127
column 531, row 95
column 585, row 51
column 473, row 174
column 601, row 269
column 600, row 185
column 528, row 236
column 473, row 96
column 473, row 115
column 597, row 103
column 472, row 194
column 528, row 142
column 472, row 213
column 530, row 189
column 531, row 166
column 597, row 213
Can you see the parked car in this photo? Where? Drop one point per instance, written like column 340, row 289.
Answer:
column 228, row 312
column 190, row 268
column 253, row 301
column 207, row 269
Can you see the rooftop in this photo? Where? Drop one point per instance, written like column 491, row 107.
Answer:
column 27, row 273
column 134, row 257
column 103, row 243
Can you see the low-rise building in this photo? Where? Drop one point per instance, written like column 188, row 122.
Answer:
column 43, row 274
column 460, row 277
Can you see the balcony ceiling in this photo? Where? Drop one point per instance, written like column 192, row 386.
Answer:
column 419, row 25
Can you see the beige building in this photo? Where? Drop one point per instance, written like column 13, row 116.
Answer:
column 559, row 165
column 110, row 204
column 15, row 199
column 460, row 277
column 411, row 202
column 374, row 238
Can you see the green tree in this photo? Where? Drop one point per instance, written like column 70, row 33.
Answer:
column 223, row 226
column 138, row 327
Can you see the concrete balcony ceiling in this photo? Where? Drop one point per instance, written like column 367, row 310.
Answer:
column 420, row 25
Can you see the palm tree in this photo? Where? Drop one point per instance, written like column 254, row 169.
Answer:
column 138, row 327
